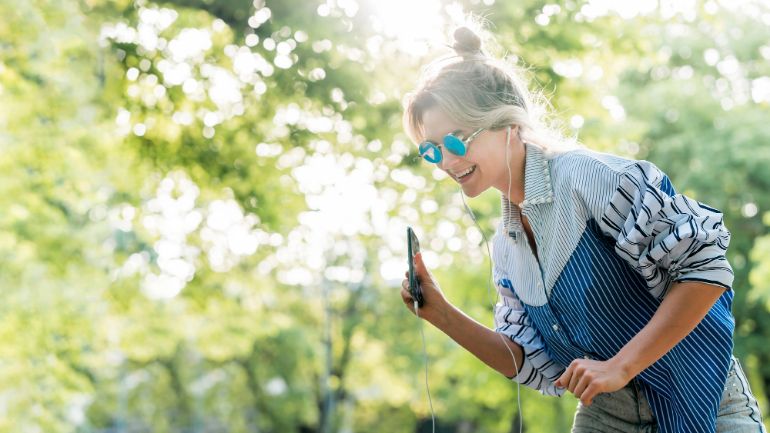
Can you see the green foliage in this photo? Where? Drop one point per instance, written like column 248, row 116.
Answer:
column 204, row 204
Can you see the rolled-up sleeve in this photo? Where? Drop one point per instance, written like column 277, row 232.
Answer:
column 538, row 370
column 665, row 236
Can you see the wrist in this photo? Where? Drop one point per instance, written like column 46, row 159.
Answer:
column 624, row 365
column 440, row 314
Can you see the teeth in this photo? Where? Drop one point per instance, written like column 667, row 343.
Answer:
column 466, row 172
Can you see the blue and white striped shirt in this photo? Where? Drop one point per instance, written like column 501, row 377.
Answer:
column 611, row 236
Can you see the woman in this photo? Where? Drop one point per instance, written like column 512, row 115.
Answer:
column 611, row 286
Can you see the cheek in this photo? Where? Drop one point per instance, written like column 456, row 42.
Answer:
column 487, row 156
column 487, row 165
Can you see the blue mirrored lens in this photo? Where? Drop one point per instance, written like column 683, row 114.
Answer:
column 430, row 152
column 454, row 145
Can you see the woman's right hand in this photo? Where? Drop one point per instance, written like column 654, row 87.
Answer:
column 434, row 300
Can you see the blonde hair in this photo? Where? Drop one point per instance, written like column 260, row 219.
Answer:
column 478, row 91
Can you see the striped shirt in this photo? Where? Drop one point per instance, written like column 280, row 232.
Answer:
column 612, row 236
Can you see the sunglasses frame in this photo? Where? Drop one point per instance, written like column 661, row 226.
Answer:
column 453, row 143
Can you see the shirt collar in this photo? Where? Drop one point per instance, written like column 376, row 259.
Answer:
column 537, row 188
column 537, row 178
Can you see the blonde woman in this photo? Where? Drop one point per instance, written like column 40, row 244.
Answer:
column 611, row 285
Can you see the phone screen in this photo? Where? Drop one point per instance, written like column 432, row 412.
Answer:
column 413, row 247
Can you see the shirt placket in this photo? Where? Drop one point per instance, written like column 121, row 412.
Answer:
column 556, row 331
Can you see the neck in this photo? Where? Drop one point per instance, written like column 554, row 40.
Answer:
column 513, row 182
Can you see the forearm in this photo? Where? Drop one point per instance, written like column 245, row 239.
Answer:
column 487, row 345
column 686, row 304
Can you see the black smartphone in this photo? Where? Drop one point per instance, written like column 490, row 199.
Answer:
column 413, row 247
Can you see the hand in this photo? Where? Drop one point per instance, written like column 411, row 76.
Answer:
column 586, row 378
column 434, row 300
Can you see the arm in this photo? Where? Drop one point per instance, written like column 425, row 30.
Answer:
column 685, row 305
column 513, row 340
column 682, row 309
column 490, row 347
column 676, row 243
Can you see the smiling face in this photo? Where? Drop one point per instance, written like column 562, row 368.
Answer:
column 484, row 164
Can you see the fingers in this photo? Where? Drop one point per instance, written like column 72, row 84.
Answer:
column 405, row 287
column 420, row 265
column 581, row 382
column 565, row 377
column 571, row 377
column 407, row 298
column 406, row 295
column 574, row 380
column 581, row 385
column 587, row 397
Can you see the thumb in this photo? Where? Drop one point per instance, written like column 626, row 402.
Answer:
column 420, row 265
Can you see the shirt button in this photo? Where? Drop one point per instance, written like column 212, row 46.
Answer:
column 555, row 327
column 586, row 357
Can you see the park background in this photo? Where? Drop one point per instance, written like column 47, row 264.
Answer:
column 203, row 202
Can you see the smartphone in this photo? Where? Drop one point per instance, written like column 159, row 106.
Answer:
column 413, row 247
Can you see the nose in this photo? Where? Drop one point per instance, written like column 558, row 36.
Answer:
column 448, row 159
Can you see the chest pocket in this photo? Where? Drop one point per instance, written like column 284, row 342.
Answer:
column 517, row 273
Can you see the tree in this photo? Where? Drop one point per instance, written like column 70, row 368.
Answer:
column 205, row 204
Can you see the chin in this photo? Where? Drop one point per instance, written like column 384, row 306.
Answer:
column 472, row 192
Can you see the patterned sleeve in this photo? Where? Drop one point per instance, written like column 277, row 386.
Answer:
column 663, row 235
column 538, row 371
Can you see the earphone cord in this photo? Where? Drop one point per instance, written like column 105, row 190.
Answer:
column 425, row 353
column 489, row 289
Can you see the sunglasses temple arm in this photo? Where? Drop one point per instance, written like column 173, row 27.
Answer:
column 472, row 136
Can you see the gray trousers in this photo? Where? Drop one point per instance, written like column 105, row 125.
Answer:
column 627, row 410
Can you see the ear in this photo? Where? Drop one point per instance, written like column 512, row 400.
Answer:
column 509, row 131
column 513, row 135
column 516, row 131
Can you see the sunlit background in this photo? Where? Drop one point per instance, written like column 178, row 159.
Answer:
column 205, row 201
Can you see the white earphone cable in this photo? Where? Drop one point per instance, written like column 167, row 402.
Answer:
column 425, row 353
column 510, row 181
column 491, row 278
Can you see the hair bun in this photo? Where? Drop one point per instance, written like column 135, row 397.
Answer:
column 466, row 42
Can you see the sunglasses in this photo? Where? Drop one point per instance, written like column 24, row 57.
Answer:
column 431, row 152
